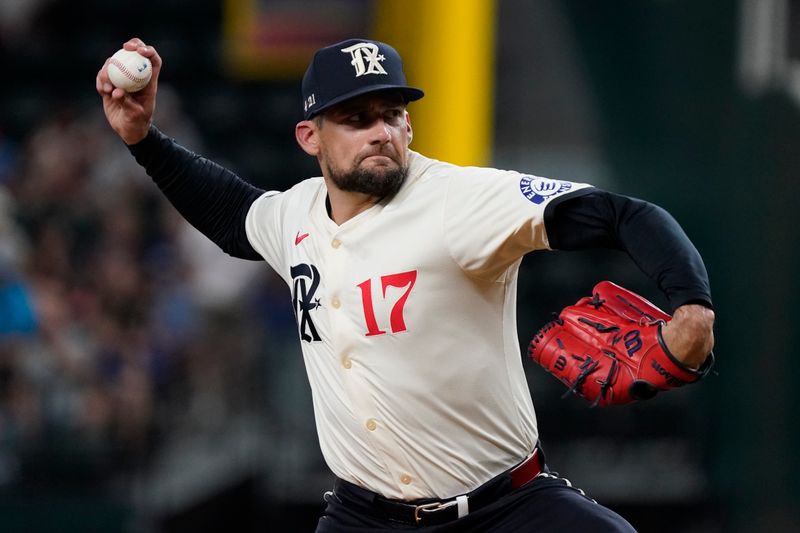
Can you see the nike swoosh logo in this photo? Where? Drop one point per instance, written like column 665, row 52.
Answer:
column 299, row 238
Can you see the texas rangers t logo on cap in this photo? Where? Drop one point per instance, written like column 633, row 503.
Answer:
column 328, row 80
column 368, row 52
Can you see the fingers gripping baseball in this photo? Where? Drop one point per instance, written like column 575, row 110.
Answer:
column 130, row 113
column 609, row 348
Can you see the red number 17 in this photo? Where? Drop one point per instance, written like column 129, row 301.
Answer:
column 403, row 279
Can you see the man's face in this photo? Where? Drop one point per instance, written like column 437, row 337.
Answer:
column 363, row 144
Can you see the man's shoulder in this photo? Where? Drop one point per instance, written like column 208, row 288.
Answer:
column 305, row 189
column 423, row 165
column 309, row 187
column 426, row 169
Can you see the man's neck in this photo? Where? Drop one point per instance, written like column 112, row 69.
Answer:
column 344, row 205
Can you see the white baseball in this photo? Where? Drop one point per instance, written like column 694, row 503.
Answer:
column 129, row 70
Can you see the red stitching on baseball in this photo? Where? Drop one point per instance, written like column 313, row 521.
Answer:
column 125, row 72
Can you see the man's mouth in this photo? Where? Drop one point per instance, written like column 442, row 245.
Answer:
column 383, row 158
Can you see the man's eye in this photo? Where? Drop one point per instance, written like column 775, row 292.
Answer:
column 393, row 115
column 357, row 117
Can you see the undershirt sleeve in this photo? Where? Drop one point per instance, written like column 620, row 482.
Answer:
column 211, row 198
column 649, row 234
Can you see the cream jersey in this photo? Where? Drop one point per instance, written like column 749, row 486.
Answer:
column 407, row 320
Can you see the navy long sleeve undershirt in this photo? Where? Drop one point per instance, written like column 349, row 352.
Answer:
column 211, row 198
column 593, row 218
column 216, row 201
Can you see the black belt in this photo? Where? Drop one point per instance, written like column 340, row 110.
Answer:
column 426, row 512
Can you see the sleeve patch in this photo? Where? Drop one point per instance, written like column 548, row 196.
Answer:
column 537, row 189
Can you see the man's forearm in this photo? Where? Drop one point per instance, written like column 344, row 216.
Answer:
column 650, row 235
column 210, row 197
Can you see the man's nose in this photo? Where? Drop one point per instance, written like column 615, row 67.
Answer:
column 380, row 132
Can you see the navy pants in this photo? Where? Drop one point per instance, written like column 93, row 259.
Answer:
column 546, row 504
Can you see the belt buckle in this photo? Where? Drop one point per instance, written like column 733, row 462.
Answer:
column 430, row 508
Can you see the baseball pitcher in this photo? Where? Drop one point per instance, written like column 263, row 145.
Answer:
column 403, row 275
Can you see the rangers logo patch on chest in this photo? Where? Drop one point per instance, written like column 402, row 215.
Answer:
column 537, row 189
column 305, row 281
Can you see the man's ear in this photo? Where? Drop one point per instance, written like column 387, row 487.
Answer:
column 306, row 134
column 408, row 128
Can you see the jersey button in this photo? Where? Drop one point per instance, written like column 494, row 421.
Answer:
column 405, row 479
column 336, row 243
column 372, row 425
column 347, row 362
column 335, row 302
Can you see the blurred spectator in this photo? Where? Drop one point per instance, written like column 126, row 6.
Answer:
column 16, row 313
column 16, row 17
column 108, row 306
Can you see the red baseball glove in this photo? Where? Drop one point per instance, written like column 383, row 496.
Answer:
column 608, row 348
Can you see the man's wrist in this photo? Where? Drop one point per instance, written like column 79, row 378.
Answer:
column 132, row 137
column 690, row 334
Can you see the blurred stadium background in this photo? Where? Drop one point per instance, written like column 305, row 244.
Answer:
column 150, row 384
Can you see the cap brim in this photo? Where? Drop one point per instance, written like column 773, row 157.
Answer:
column 409, row 94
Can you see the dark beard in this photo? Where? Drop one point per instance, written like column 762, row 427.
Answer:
column 372, row 183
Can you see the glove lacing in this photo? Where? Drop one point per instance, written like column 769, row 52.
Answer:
column 547, row 327
column 588, row 364
column 587, row 367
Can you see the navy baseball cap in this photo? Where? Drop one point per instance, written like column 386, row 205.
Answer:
column 352, row 68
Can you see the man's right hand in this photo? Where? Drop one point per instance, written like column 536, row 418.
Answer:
column 130, row 114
